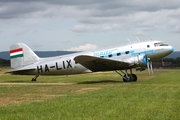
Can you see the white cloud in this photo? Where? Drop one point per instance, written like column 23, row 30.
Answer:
column 141, row 33
column 110, row 27
column 95, row 27
column 81, row 28
column 174, row 25
column 84, row 47
column 101, row 21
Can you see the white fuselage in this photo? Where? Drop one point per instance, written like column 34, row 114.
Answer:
column 64, row 65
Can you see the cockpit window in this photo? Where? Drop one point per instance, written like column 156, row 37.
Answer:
column 157, row 44
column 164, row 44
column 160, row 44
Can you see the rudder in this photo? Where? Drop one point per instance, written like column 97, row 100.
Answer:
column 21, row 55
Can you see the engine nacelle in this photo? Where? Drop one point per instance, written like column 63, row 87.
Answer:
column 138, row 60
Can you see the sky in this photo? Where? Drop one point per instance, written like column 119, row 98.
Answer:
column 79, row 25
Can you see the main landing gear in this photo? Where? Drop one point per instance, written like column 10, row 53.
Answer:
column 128, row 77
column 34, row 79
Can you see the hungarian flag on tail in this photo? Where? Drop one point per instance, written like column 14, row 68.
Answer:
column 16, row 53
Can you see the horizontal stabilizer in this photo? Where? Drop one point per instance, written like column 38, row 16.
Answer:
column 22, row 71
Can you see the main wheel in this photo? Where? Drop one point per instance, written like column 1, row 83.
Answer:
column 130, row 78
column 127, row 78
column 134, row 77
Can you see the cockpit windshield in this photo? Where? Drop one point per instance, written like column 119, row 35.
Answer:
column 160, row 44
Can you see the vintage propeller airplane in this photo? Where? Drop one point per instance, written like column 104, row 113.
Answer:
column 137, row 55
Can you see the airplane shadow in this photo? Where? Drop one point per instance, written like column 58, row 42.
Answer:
column 101, row 81
column 16, row 81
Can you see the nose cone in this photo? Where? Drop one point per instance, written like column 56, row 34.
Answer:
column 172, row 48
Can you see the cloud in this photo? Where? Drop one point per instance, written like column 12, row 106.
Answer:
column 94, row 15
column 95, row 28
column 101, row 20
column 81, row 28
column 175, row 25
column 14, row 10
column 84, row 47
column 141, row 33
column 22, row 32
column 174, row 20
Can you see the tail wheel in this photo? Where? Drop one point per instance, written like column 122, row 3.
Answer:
column 33, row 79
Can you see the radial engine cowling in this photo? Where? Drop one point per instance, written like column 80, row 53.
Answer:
column 138, row 61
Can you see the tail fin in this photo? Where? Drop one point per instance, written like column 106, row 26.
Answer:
column 21, row 55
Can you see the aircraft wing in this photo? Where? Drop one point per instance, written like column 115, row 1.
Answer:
column 100, row 64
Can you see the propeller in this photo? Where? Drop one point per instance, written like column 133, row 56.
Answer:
column 144, row 60
column 149, row 65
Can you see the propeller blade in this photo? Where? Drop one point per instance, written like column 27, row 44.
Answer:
column 151, row 68
column 148, row 63
column 148, row 67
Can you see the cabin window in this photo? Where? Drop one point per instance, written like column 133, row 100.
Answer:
column 127, row 52
column 110, row 55
column 102, row 56
column 148, row 46
column 118, row 54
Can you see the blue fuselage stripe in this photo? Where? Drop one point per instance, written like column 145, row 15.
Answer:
column 132, row 53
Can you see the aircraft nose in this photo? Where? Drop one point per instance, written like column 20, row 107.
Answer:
column 172, row 48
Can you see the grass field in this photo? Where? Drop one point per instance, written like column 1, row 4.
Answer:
column 91, row 97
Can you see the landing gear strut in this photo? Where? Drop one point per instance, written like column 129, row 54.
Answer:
column 128, row 77
column 34, row 79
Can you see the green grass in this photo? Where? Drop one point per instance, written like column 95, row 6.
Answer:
column 91, row 97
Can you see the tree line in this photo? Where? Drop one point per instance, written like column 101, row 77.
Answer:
column 4, row 63
column 175, row 62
